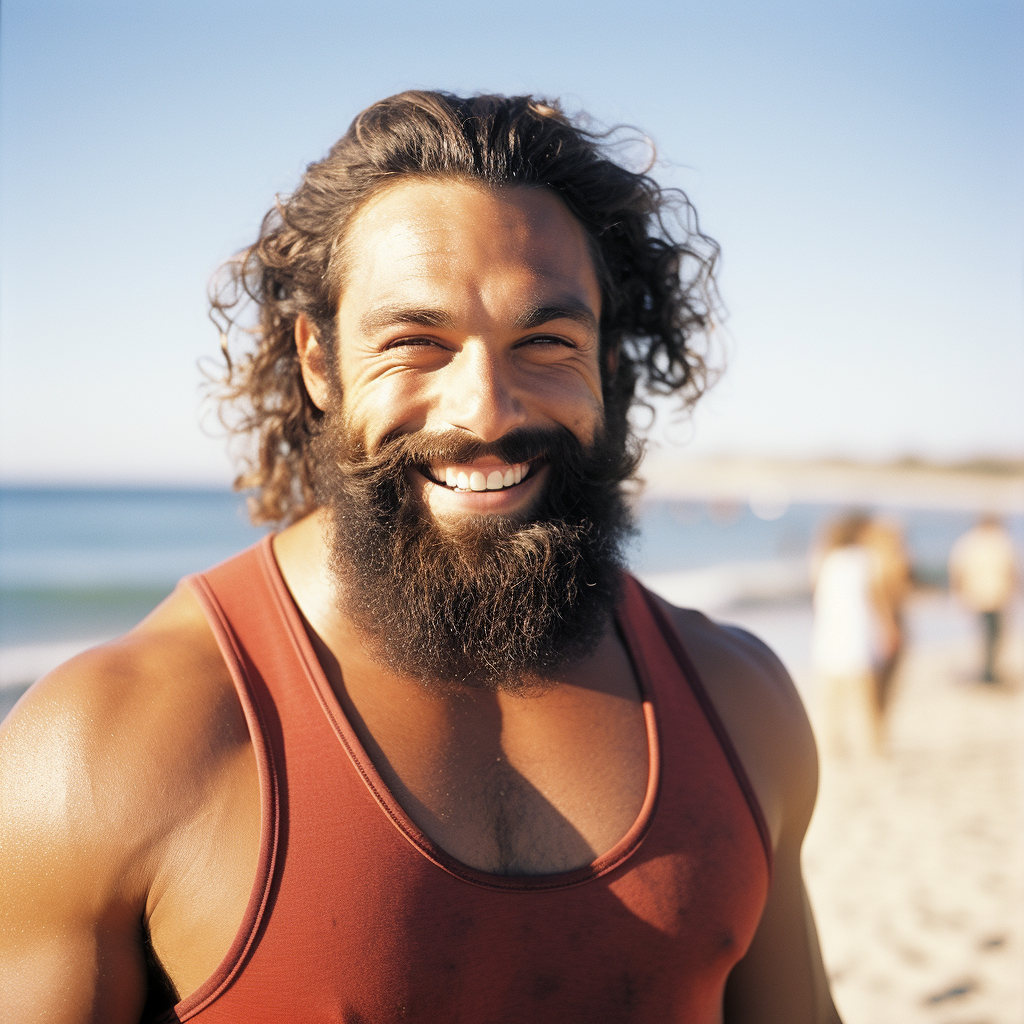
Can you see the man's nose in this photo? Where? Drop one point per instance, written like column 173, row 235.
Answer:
column 480, row 394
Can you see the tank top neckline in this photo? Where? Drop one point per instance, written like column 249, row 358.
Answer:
column 331, row 707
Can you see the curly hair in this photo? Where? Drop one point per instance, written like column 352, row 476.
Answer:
column 658, row 291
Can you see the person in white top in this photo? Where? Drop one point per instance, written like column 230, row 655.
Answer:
column 847, row 641
column 983, row 574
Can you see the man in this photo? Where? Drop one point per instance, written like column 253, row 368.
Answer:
column 427, row 754
column 983, row 574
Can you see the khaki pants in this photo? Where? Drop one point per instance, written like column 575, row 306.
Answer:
column 851, row 715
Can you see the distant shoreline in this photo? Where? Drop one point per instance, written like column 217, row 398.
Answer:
column 977, row 486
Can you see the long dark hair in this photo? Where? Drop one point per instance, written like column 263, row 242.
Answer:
column 658, row 290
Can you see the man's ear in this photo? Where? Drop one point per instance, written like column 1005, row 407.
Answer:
column 611, row 361
column 313, row 361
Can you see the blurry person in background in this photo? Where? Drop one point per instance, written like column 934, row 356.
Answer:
column 847, row 640
column 983, row 574
column 890, row 587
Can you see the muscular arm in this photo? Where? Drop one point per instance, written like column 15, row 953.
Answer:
column 72, row 890
column 781, row 980
column 114, row 770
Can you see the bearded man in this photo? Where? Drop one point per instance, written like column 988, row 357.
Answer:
column 428, row 752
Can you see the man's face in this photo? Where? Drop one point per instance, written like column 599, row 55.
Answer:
column 469, row 311
column 473, row 499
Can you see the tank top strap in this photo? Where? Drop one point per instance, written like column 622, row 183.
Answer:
column 656, row 644
column 250, row 598
column 237, row 600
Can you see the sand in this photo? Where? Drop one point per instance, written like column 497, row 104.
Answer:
column 915, row 863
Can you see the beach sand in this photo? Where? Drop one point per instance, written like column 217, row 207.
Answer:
column 915, row 863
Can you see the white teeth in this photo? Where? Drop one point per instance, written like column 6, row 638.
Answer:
column 476, row 480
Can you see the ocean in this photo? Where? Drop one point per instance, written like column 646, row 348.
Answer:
column 79, row 565
column 82, row 563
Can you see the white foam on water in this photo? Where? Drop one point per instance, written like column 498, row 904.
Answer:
column 719, row 586
column 25, row 664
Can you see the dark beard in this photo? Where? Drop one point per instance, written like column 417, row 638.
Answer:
column 498, row 602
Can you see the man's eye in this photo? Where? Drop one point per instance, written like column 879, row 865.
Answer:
column 410, row 343
column 548, row 339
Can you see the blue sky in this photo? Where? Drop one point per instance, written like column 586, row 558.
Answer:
column 862, row 166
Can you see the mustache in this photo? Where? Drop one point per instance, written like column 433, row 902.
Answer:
column 399, row 451
column 580, row 477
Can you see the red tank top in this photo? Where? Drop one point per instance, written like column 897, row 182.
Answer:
column 356, row 916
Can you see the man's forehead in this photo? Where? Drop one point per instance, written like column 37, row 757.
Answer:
column 425, row 237
column 414, row 204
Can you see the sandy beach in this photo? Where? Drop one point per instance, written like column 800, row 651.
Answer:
column 915, row 862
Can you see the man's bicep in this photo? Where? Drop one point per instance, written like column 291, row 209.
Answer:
column 69, row 943
column 62, row 972
column 782, row 980
column 67, row 956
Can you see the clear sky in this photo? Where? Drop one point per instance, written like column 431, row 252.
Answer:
column 861, row 165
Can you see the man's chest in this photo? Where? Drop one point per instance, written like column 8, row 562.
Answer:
column 567, row 791
column 533, row 805
column 522, row 783
column 349, row 890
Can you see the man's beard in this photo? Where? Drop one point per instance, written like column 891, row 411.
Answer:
column 493, row 601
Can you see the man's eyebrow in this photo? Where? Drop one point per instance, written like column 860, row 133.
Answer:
column 569, row 309
column 422, row 316
column 394, row 316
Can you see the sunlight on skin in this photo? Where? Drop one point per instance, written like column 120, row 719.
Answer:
column 471, row 309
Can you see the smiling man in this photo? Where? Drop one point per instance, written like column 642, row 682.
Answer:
column 428, row 752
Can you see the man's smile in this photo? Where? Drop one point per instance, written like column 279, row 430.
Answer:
column 484, row 485
column 480, row 476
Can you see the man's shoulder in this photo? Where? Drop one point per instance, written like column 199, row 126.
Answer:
column 732, row 661
column 124, row 732
column 762, row 712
